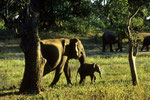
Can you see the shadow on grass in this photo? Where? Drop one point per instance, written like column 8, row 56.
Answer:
column 8, row 92
column 115, row 82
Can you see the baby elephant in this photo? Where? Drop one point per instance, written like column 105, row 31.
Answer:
column 88, row 70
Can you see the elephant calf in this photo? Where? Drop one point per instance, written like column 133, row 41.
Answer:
column 88, row 70
column 146, row 42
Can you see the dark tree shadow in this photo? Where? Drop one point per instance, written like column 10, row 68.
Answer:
column 11, row 92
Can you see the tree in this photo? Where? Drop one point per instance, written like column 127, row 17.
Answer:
column 30, row 44
column 134, row 8
column 27, row 27
column 132, row 50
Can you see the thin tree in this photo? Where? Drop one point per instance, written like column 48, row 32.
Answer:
column 132, row 50
column 134, row 8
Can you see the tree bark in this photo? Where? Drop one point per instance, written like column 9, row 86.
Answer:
column 30, row 44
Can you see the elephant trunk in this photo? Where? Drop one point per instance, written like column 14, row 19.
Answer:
column 82, row 58
column 100, row 74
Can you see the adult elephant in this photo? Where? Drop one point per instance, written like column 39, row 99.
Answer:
column 58, row 52
column 146, row 42
column 110, row 38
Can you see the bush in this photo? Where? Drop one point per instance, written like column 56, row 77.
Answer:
column 2, row 24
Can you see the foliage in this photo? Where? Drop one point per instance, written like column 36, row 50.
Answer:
column 2, row 24
column 56, row 15
column 138, row 22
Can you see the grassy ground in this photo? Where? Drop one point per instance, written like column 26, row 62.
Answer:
column 115, row 83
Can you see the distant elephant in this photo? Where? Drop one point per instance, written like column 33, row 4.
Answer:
column 146, row 42
column 110, row 38
column 58, row 52
column 88, row 70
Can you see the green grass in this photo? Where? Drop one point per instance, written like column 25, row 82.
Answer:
column 116, row 83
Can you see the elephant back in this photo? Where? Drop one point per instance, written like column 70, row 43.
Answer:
column 146, row 40
column 86, row 68
column 52, row 50
column 109, row 37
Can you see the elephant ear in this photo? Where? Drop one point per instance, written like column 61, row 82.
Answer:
column 94, row 65
column 65, row 44
column 73, row 41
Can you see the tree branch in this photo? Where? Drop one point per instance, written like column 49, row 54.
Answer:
column 129, row 22
column 131, row 17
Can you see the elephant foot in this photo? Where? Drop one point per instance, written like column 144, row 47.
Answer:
column 81, row 83
column 120, row 50
column 43, row 88
column 92, row 82
column 69, row 83
column 117, row 50
column 52, row 85
column 103, row 51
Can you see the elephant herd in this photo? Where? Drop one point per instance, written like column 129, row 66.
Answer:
column 58, row 52
column 109, row 38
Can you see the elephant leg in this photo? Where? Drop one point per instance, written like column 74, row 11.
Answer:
column 93, row 78
column 56, row 78
column 147, row 48
column 82, row 79
column 111, row 50
column 142, row 47
column 47, row 69
column 104, row 47
column 67, row 73
column 59, row 70
column 120, row 46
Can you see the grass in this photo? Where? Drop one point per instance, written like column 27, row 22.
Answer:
column 115, row 83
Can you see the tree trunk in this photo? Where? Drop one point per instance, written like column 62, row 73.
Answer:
column 132, row 59
column 30, row 44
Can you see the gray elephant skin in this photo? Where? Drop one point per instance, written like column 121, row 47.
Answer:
column 110, row 38
column 88, row 70
column 57, row 52
column 146, row 42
